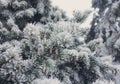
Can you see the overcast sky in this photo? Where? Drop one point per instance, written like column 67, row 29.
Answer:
column 69, row 5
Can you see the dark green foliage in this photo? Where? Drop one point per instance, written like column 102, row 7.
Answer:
column 117, row 11
column 21, row 11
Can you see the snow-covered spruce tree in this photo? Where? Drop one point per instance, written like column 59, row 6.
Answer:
column 106, row 26
column 15, row 14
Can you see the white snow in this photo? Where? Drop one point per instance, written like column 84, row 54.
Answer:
column 106, row 10
column 46, row 81
column 103, row 82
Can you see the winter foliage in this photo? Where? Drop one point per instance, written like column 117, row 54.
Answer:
column 39, row 45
